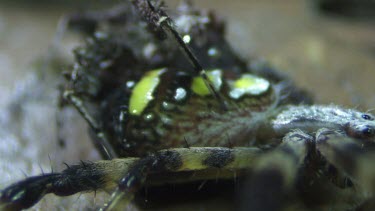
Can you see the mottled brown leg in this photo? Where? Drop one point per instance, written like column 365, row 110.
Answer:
column 354, row 157
column 275, row 174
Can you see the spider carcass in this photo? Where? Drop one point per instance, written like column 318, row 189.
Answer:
column 169, row 102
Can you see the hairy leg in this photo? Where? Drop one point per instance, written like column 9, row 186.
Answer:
column 224, row 161
column 274, row 174
column 128, row 174
column 353, row 157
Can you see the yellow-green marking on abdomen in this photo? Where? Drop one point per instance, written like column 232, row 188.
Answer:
column 143, row 91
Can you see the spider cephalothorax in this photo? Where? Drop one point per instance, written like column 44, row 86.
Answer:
column 173, row 103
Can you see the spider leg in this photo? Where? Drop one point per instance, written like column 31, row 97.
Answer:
column 352, row 156
column 131, row 172
column 100, row 138
column 76, row 178
column 274, row 174
column 157, row 18
column 182, row 160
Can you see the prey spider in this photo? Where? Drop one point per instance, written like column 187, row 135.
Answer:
column 159, row 120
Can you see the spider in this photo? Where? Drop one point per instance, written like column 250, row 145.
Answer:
column 157, row 119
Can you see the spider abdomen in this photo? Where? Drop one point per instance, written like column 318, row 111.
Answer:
column 171, row 108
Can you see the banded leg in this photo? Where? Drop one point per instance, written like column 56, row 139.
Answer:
column 355, row 158
column 131, row 172
column 180, row 160
column 275, row 173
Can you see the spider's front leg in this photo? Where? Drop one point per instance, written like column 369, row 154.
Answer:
column 101, row 175
column 131, row 172
column 275, row 173
column 215, row 162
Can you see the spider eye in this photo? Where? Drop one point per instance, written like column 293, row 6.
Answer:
column 367, row 117
column 368, row 131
